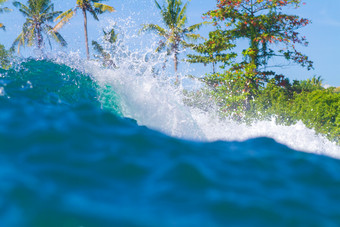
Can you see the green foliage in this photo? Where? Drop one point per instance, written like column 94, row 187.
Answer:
column 110, row 38
column 175, row 34
column 319, row 109
column 212, row 50
column 2, row 10
column 308, row 85
column 272, row 101
column 247, row 91
column 270, row 32
column 316, row 107
column 4, row 57
column 94, row 7
column 305, row 101
column 38, row 13
column 233, row 89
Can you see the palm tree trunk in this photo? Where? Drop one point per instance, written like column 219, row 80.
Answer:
column 176, row 66
column 86, row 37
column 38, row 40
column 38, row 36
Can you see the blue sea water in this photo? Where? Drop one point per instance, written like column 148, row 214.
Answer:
column 70, row 156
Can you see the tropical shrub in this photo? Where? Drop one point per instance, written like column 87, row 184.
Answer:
column 318, row 109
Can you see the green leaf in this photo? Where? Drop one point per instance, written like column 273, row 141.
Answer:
column 103, row 8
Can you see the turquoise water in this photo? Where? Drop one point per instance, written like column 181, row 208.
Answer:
column 70, row 157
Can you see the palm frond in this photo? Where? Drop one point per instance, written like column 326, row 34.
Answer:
column 181, row 22
column 17, row 4
column 161, row 46
column 158, row 6
column 155, row 28
column 93, row 12
column 98, row 48
column 19, row 41
column 5, row 9
column 48, row 8
column 101, row 8
column 50, row 16
column 30, row 36
column 55, row 35
column 110, row 36
column 25, row 13
column 49, row 42
column 193, row 37
column 187, row 45
column 181, row 17
column 195, row 27
column 64, row 18
column 22, row 8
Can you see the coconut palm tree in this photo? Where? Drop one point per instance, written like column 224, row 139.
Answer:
column 175, row 34
column 109, row 37
column 37, row 13
column 317, row 81
column 2, row 10
column 91, row 6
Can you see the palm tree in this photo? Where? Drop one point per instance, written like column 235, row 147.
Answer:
column 2, row 10
column 175, row 33
column 317, row 81
column 93, row 7
column 37, row 13
column 110, row 37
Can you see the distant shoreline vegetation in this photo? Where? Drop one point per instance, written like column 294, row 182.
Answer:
column 307, row 101
column 241, row 83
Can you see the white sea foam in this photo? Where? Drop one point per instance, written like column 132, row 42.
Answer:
column 149, row 96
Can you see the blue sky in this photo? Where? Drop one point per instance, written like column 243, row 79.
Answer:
column 323, row 34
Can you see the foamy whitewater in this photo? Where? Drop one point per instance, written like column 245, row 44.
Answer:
column 159, row 106
column 148, row 95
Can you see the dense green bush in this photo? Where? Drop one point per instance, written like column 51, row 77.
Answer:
column 305, row 101
column 320, row 110
column 272, row 101
column 317, row 108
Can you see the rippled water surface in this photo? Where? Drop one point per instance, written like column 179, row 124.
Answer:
column 76, row 151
